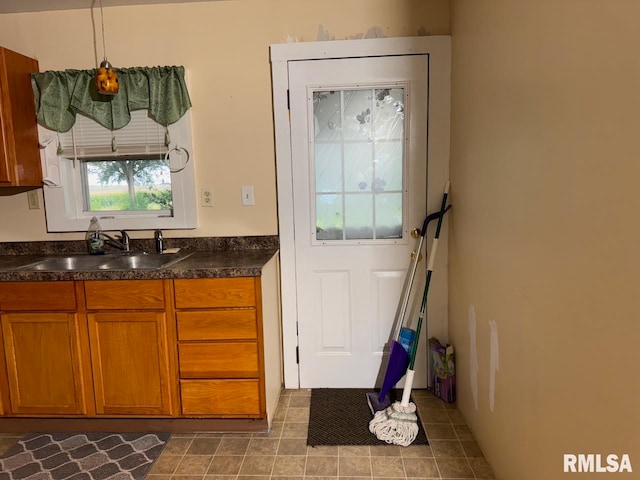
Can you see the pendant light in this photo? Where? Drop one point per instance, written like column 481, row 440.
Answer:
column 106, row 77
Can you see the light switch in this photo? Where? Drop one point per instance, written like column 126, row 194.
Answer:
column 247, row 196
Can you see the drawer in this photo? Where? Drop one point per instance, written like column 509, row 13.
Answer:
column 124, row 294
column 218, row 360
column 215, row 292
column 220, row 397
column 217, row 325
column 37, row 296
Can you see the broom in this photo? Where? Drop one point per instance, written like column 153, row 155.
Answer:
column 398, row 423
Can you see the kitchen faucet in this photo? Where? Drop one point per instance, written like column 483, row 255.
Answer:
column 121, row 242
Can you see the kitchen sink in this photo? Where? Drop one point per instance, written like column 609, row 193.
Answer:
column 124, row 261
column 142, row 260
column 74, row 262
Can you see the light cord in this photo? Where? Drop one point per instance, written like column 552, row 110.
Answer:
column 104, row 46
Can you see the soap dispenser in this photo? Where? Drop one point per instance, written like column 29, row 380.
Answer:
column 95, row 243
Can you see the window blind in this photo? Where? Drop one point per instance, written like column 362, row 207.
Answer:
column 88, row 139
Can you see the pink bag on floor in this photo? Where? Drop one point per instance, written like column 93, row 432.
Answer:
column 443, row 370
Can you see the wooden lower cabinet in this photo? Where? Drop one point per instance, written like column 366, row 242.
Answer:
column 132, row 345
column 43, row 357
column 190, row 348
column 220, row 347
column 44, row 345
column 130, row 363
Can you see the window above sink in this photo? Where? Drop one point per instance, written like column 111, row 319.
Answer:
column 141, row 185
column 127, row 159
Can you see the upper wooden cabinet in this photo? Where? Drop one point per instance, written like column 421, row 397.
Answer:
column 19, row 154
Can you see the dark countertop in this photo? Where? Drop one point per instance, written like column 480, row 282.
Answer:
column 210, row 258
column 211, row 264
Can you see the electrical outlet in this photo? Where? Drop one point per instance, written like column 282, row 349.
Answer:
column 33, row 199
column 206, row 196
column 247, row 196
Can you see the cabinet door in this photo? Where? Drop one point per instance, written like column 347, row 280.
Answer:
column 19, row 155
column 43, row 363
column 129, row 357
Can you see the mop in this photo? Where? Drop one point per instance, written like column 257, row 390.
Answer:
column 402, row 337
column 398, row 423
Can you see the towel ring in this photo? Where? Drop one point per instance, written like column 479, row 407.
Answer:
column 179, row 151
column 42, row 145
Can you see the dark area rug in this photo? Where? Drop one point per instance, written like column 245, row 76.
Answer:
column 341, row 416
column 90, row 456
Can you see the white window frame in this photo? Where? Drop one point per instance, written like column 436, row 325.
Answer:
column 64, row 206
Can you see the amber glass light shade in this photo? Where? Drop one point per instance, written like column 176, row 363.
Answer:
column 107, row 79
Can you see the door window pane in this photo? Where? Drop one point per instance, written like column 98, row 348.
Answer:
column 357, row 114
column 389, row 215
column 359, row 163
column 329, row 217
column 388, row 161
column 358, row 218
column 328, row 177
column 358, row 167
column 388, row 114
column 327, row 115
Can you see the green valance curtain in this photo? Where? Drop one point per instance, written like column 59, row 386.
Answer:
column 60, row 95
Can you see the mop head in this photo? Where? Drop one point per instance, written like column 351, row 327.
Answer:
column 396, row 424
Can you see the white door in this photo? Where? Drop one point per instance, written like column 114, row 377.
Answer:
column 359, row 169
column 290, row 127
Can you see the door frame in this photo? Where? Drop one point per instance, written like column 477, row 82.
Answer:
column 438, row 49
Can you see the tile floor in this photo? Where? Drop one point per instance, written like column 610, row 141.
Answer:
column 283, row 454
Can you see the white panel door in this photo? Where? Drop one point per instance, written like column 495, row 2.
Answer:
column 359, row 169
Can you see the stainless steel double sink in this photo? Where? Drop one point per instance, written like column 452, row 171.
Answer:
column 116, row 261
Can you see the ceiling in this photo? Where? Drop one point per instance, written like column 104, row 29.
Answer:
column 19, row 6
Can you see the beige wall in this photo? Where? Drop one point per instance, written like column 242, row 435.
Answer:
column 545, row 238
column 225, row 47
